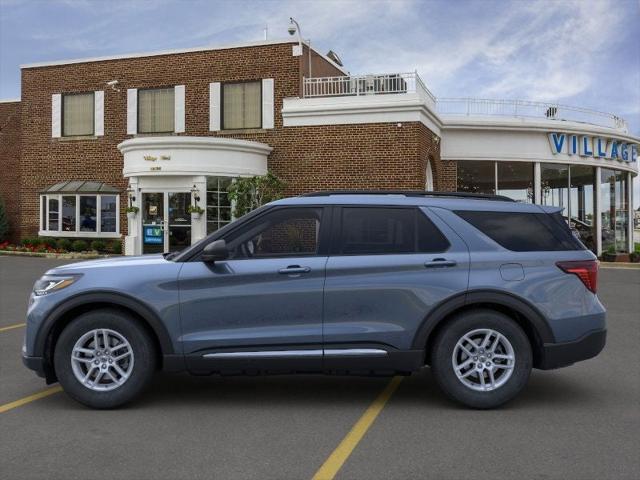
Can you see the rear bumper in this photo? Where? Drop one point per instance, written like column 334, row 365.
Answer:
column 556, row 355
column 36, row 364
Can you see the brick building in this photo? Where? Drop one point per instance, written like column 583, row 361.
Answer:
column 163, row 130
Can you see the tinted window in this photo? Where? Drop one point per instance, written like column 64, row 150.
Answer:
column 524, row 232
column 367, row 231
column 283, row 232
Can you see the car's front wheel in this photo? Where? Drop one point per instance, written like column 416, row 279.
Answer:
column 481, row 358
column 104, row 358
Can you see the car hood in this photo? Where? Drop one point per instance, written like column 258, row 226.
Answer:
column 128, row 261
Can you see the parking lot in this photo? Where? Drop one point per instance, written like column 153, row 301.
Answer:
column 581, row 422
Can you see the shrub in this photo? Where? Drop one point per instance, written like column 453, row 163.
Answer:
column 116, row 246
column 46, row 242
column 29, row 241
column 79, row 246
column 98, row 245
column 64, row 244
column 4, row 222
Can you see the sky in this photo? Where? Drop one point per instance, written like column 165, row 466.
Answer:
column 584, row 53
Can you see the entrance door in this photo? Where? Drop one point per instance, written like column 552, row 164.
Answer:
column 166, row 225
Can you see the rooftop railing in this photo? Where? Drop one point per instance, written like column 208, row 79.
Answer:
column 401, row 83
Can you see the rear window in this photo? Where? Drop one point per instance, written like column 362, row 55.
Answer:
column 524, row 232
column 378, row 230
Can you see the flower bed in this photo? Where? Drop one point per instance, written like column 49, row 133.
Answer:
column 47, row 245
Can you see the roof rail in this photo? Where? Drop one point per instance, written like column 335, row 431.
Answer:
column 410, row 193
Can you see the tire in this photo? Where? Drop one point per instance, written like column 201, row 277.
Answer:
column 113, row 387
column 512, row 353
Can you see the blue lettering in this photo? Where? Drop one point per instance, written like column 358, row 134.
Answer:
column 586, row 150
column 634, row 153
column 614, row 149
column 601, row 152
column 557, row 142
column 574, row 145
column 624, row 152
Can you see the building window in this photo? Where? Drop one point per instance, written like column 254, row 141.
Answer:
column 80, row 215
column 581, row 204
column 78, row 114
column 515, row 180
column 218, row 203
column 241, row 105
column 477, row 176
column 156, row 110
column 614, row 210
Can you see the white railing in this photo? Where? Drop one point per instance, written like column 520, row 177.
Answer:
column 356, row 85
column 524, row 108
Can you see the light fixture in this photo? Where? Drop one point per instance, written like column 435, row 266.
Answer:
column 195, row 192
column 132, row 198
column 294, row 27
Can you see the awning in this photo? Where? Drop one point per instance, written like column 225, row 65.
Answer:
column 81, row 186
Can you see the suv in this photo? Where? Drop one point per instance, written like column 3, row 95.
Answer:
column 479, row 288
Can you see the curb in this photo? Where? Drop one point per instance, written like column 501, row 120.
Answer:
column 621, row 265
column 62, row 256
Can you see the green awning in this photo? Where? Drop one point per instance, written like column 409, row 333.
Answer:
column 81, row 186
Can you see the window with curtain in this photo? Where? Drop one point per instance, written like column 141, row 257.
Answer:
column 241, row 105
column 156, row 110
column 77, row 114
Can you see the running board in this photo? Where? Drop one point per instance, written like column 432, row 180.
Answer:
column 327, row 352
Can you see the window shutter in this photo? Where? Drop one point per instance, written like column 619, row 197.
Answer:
column 179, row 109
column 132, row 111
column 214, row 106
column 267, row 103
column 56, row 115
column 98, row 111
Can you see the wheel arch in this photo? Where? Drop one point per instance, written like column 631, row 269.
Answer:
column 522, row 312
column 64, row 313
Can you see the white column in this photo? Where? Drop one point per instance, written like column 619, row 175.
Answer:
column 630, row 212
column 133, row 240
column 199, row 226
column 537, row 183
column 598, row 213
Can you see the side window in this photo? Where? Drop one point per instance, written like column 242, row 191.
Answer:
column 369, row 231
column 281, row 233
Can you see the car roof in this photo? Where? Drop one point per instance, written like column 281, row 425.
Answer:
column 450, row 201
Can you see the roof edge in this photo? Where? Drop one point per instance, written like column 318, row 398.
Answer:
column 10, row 100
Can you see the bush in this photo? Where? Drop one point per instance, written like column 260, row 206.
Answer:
column 47, row 242
column 64, row 244
column 29, row 241
column 116, row 247
column 79, row 246
column 4, row 222
column 98, row 245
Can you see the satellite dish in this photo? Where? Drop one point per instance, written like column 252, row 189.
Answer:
column 335, row 58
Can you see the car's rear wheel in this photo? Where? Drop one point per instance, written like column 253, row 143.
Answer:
column 104, row 358
column 481, row 358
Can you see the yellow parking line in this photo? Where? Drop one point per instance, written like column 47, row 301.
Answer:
column 332, row 465
column 11, row 327
column 31, row 398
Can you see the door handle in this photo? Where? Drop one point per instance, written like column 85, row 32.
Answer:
column 440, row 263
column 294, row 269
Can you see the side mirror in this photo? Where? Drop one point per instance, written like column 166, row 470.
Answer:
column 215, row 251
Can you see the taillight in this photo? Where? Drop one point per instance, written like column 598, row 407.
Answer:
column 585, row 270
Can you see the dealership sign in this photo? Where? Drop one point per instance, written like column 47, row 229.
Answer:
column 597, row 147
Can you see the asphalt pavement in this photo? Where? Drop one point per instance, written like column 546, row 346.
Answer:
column 580, row 422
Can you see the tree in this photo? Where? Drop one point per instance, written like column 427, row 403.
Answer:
column 249, row 193
column 4, row 222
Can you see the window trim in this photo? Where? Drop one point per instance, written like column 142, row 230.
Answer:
column 222, row 86
column 93, row 116
column 78, row 233
column 163, row 132
column 337, row 230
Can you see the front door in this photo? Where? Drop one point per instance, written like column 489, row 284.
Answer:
column 262, row 307
column 166, row 224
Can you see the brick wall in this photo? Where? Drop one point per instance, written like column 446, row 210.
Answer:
column 382, row 156
column 10, row 161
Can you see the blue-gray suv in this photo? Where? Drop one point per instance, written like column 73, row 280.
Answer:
column 479, row 288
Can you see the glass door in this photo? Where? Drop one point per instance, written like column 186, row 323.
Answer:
column 153, row 225
column 179, row 236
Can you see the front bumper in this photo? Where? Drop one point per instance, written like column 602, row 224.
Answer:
column 556, row 355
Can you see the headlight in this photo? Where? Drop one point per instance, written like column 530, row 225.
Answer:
column 52, row 283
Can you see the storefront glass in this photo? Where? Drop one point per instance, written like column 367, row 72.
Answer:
column 614, row 210
column 554, row 181
column 581, row 204
column 218, row 203
column 477, row 177
column 515, row 180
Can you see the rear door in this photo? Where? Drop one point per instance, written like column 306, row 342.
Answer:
column 388, row 267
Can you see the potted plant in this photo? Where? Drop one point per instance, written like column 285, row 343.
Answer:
column 131, row 212
column 195, row 211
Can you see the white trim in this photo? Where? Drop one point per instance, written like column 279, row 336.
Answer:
column 268, row 103
column 598, row 210
column 537, row 183
column 132, row 111
column 214, row 107
column 48, row 233
column 98, row 112
column 9, row 100
column 171, row 52
column 179, row 100
column 77, row 233
column 56, row 115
